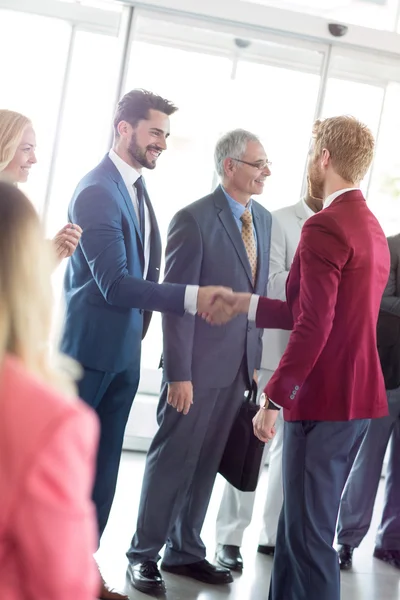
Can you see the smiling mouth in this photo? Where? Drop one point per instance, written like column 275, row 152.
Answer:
column 260, row 180
column 154, row 153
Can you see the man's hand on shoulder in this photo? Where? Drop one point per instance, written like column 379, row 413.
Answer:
column 180, row 395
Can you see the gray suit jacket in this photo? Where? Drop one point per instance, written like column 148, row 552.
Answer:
column 205, row 247
column 391, row 296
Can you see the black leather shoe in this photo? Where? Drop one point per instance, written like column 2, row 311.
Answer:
column 268, row 550
column 345, row 553
column 229, row 557
column 202, row 571
column 146, row 578
column 392, row 557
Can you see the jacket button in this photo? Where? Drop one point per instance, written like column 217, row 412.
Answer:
column 296, row 387
column 292, row 397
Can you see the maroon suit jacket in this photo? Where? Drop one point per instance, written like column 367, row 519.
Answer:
column 331, row 370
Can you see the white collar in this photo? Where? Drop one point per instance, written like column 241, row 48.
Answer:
column 128, row 173
column 309, row 212
column 328, row 201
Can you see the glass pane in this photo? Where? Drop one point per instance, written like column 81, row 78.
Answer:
column 196, row 82
column 87, row 123
column 377, row 14
column 384, row 190
column 363, row 101
column 32, row 72
column 282, row 118
column 87, row 119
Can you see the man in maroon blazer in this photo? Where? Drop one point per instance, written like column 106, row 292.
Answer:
column 329, row 380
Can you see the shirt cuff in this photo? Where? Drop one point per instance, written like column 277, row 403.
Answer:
column 253, row 307
column 191, row 294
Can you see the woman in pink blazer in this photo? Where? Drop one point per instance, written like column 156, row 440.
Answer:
column 47, row 437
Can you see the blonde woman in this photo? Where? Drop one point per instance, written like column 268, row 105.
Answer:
column 47, row 437
column 17, row 156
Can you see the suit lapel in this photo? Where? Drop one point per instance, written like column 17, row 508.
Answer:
column 300, row 214
column 228, row 221
column 117, row 178
column 262, row 255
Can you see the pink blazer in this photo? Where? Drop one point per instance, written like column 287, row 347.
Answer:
column 47, row 525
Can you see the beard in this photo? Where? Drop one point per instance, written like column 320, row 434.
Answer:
column 139, row 154
column 315, row 182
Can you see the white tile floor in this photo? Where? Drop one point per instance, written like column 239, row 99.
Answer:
column 369, row 580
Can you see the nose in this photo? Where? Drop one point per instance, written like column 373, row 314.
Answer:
column 32, row 158
column 267, row 171
column 162, row 142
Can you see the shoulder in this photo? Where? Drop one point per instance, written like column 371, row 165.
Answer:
column 287, row 213
column 261, row 211
column 32, row 410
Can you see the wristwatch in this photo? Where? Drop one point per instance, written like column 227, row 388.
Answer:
column 266, row 403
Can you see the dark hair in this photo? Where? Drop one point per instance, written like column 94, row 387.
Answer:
column 135, row 106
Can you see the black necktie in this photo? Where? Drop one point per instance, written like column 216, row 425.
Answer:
column 140, row 198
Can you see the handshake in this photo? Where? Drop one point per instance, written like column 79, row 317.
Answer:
column 219, row 305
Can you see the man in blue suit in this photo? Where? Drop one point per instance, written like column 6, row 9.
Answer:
column 111, row 281
column 223, row 238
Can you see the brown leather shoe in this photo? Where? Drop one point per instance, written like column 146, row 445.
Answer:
column 106, row 593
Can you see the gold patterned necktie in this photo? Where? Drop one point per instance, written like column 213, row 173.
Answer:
column 249, row 241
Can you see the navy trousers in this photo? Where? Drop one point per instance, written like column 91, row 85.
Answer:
column 111, row 396
column 317, row 457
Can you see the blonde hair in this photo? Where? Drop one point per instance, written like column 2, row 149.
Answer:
column 12, row 125
column 25, row 289
column 350, row 144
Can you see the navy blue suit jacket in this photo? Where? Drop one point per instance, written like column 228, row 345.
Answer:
column 106, row 295
column 205, row 247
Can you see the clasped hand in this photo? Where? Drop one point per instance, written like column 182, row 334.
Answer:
column 219, row 305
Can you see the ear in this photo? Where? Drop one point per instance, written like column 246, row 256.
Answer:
column 124, row 129
column 325, row 157
column 229, row 167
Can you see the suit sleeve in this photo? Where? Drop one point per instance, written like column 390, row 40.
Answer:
column 277, row 265
column 55, row 522
column 391, row 300
column 323, row 254
column 273, row 312
column 183, row 259
column 103, row 246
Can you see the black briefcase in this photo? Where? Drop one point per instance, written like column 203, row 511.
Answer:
column 241, row 461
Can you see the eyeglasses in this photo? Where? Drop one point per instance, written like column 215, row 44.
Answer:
column 261, row 165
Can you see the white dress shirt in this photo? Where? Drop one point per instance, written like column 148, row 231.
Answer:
column 129, row 176
column 309, row 211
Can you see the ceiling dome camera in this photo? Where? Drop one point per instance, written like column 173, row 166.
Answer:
column 337, row 30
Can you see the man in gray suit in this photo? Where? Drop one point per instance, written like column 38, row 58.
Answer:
column 223, row 238
column 236, row 508
column 362, row 485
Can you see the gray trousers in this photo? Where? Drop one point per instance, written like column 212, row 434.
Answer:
column 359, row 495
column 181, row 467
